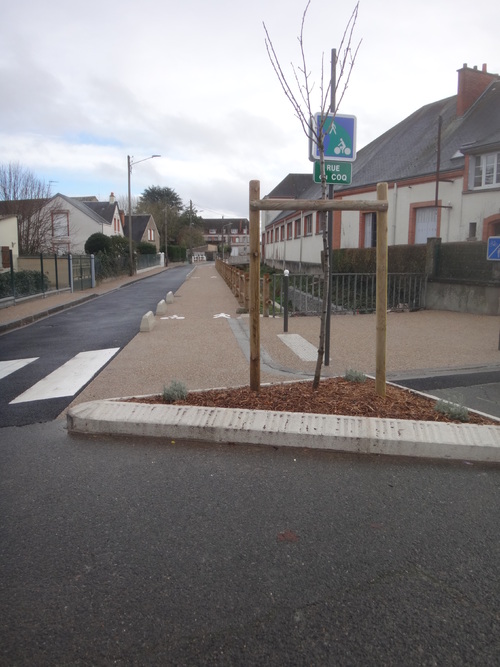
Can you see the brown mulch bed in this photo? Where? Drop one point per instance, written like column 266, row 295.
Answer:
column 336, row 396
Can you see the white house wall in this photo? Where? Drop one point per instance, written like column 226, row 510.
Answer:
column 9, row 238
column 81, row 226
column 458, row 210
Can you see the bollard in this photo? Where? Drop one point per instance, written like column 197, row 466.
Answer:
column 286, row 273
column 147, row 322
column 161, row 308
column 170, row 297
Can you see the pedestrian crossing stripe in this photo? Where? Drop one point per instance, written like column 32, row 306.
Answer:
column 68, row 378
column 8, row 367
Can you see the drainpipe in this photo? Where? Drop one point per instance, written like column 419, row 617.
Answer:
column 395, row 214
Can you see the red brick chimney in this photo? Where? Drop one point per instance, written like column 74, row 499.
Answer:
column 471, row 84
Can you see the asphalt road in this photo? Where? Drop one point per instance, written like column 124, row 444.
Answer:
column 107, row 322
column 115, row 552
column 476, row 391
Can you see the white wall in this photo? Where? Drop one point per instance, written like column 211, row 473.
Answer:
column 9, row 237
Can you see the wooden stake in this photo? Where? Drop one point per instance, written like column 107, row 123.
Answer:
column 254, row 289
column 381, row 307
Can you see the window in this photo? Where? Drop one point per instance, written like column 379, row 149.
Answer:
column 308, row 225
column 486, row 170
column 289, row 231
column 472, row 230
column 297, row 228
column 425, row 224
column 282, row 233
column 151, row 234
column 60, row 224
column 370, row 240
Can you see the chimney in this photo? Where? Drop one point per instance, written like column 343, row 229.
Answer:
column 112, row 198
column 471, row 85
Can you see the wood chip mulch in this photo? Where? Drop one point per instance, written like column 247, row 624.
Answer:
column 336, row 396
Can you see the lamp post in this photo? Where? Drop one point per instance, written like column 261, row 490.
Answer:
column 130, row 164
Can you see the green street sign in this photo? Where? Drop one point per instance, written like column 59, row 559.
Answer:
column 337, row 173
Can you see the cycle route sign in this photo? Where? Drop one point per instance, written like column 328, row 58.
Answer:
column 339, row 139
column 493, row 249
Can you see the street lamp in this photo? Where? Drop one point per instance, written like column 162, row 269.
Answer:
column 130, row 164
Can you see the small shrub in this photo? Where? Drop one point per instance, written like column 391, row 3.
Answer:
column 452, row 410
column 176, row 391
column 355, row 376
column 98, row 242
column 145, row 248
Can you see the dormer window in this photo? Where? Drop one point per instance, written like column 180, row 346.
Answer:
column 485, row 170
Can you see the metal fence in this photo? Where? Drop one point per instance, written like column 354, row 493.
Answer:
column 350, row 293
column 41, row 274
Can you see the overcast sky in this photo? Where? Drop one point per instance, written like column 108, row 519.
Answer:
column 84, row 84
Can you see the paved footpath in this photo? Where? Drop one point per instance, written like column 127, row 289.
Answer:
column 201, row 341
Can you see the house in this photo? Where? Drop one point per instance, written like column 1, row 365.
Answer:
column 144, row 229
column 233, row 232
column 8, row 242
column 442, row 166
column 62, row 224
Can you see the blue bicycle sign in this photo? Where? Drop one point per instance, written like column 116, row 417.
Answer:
column 339, row 137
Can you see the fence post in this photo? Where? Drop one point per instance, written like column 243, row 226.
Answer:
column 92, row 271
column 12, row 281
column 286, row 274
column 41, row 273
column 265, row 295
column 70, row 272
column 56, row 272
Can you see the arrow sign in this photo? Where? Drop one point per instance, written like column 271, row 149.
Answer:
column 493, row 251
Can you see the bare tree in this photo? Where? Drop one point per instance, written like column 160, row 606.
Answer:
column 25, row 195
column 300, row 93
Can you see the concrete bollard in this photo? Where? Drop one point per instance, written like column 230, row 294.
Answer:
column 170, row 297
column 148, row 321
column 161, row 308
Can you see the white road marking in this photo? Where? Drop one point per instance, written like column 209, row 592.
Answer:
column 302, row 347
column 68, row 378
column 173, row 317
column 8, row 367
column 228, row 317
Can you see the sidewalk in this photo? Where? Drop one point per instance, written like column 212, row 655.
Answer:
column 203, row 342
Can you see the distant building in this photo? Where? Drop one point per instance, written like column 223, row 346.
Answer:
column 233, row 232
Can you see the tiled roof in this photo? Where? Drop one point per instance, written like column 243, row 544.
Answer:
column 139, row 224
column 409, row 149
column 103, row 208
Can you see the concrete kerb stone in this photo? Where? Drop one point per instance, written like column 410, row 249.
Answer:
column 360, row 435
column 147, row 322
column 170, row 297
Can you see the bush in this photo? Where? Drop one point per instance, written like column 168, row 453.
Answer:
column 119, row 245
column 176, row 253
column 176, row 391
column 452, row 410
column 98, row 242
column 145, row 248
column 25, row 283
column 355, row 376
